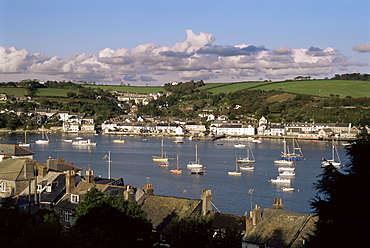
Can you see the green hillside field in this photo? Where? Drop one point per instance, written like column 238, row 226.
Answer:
column 342, row 88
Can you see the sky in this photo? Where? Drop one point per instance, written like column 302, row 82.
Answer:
column 153, row 42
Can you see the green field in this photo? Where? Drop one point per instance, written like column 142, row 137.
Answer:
column 52, row 92
column 342, row 88
column 231, row 87
column 136, row 89
column 13, row 91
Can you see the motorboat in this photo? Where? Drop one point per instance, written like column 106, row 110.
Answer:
column 280, row 180
column 287, row 189
column 286, row 173
column 165, row 165
column 87, row 142
column 286, row 168
column 199, row 171
column 283, row 161
column 246, row 167
column 239, row 145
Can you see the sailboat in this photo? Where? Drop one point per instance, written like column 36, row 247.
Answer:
column 334, row 155
column 177, row 170
column 236, row 172
column 44, row 137
column 250, row 157
column 196, row 163
column 283, row 160
column 25, row 144
column 163, row 157
column 294, row 155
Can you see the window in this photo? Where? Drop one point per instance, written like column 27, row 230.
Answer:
column 66, row 215
column 39, row 188
column 3, row 187
column 60, row 213
column 75, row 198
column 48, row 188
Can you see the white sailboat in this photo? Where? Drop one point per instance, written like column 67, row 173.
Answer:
column 236, row 172
column 196, row 163
column 335, row 159
column 44, row 137
column 25, row 143
column 250, row 157
column 163, row 157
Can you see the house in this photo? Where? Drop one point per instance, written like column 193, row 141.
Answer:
column 3, row 97
column 14, row 151
column 277, row 228
column 65, row 207
column 194, row 127
column 235, row 130
column 325, row 133
column 15, row 175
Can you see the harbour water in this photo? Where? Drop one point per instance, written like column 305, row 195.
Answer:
column 132, row 160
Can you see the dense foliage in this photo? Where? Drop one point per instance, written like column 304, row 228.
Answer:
column 199, row 232
column 110, row 221
column 341, row 202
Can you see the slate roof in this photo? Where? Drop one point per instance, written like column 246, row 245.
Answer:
column 14, row 150
column 10, row 169
column 161, row 209
column 222, row 220
column 279, row 228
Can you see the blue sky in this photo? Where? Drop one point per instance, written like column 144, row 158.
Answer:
column 152, row 42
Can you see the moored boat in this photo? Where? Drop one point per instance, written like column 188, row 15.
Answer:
column 280, row 180
column 87, row 142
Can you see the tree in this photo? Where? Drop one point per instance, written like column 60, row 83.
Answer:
column 109, row 221
column 199, row 232
column 341, row 203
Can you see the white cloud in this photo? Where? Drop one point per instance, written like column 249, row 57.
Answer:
column 195, row 58
column 363, row 48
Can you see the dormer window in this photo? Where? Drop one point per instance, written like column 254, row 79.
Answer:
column 48, row 188
column 3, row 187
column 39, row 188
column 75, row 198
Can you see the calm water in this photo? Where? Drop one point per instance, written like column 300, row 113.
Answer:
column 132, row 161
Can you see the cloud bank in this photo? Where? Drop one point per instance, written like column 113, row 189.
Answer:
column 195, row 58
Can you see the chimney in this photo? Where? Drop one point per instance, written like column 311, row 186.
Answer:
column 278, row 203
column 29, row 169
column 70, row 181
column 206, row 198
column 43, row 171
column 254, row 219
column 51, row 163
column 89, row 176
column 129, row 193
column 148, row 189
